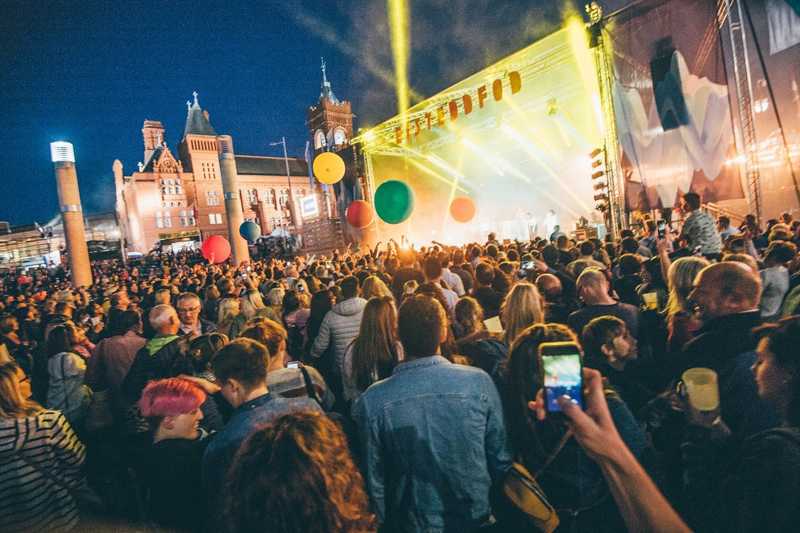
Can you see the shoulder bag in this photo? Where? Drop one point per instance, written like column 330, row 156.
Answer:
column 526, row 495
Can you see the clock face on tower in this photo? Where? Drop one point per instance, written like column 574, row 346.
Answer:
column 339, row 136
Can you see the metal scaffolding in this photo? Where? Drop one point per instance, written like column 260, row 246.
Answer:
column 605, row 77
column 748, row 141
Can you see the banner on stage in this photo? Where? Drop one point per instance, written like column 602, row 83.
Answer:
column 671, row 101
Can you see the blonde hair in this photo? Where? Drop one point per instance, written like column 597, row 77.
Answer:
column 228, row 308
column 374, row 286
column 12, row 403
column 521, row 308
column 270, row 334
column 680, row 277
column 251, row 303
column 275, row 297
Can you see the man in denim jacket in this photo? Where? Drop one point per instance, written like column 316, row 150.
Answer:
column 433, row 436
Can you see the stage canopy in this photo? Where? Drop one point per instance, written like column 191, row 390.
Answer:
column 515, row 138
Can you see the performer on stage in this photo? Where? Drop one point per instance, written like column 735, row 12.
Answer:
column 550, row 222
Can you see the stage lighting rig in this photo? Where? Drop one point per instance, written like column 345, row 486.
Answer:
column 599, row 179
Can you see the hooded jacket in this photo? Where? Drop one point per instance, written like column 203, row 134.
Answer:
column 339, row 327
column 154, row 361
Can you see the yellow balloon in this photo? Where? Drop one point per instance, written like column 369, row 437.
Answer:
column 328, row 168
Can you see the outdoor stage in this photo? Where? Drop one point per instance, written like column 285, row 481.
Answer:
column 515, row 138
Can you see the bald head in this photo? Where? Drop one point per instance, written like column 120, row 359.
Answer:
column 549, row 285
column 164, row 319
column 591, row 278
column 726, row 288
column 592, row 287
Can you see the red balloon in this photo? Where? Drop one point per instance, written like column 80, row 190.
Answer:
column 216, row 249
column 462, row 209
column 359, row 214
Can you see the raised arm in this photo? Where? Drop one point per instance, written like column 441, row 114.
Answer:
column 640, row 503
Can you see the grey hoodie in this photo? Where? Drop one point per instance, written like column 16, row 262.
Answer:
column 339, row 327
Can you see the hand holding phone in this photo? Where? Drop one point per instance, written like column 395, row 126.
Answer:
column 562, row 374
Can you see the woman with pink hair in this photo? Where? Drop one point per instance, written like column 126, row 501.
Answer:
column 171, row 467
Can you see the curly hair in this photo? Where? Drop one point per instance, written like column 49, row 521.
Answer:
column 296, row 475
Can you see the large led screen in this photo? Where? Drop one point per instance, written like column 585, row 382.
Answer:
column 515, row 138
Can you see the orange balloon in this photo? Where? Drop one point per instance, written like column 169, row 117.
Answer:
column 359, row 214
column 462, row 209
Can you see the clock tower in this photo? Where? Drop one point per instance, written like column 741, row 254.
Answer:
column 330, row 121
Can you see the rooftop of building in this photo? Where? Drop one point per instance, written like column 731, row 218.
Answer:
column 256, row 165
column 197, row 122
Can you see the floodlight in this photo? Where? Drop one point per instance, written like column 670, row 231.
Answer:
column 61, row 151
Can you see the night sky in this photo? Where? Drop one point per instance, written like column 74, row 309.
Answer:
column 91, row 72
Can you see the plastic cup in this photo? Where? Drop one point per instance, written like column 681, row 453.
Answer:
column 650, row 300
column 701, row 388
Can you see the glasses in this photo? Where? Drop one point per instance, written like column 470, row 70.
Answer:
column 188, row 309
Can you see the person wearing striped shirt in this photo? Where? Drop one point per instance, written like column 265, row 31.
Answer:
column 40, row 460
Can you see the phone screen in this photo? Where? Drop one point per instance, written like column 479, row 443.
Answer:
column 561, row 366
column 662, row 229
column 293, row 364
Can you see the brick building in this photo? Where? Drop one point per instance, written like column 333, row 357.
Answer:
column 175, row 198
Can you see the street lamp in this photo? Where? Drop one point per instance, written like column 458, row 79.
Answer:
column 292, row 213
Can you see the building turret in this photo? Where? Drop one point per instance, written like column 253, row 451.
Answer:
column 197, row 120
column 331, row 120
column 153, row 134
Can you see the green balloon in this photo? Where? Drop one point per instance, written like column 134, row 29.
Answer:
column 394, row 201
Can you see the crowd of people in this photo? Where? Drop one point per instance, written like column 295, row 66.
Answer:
column 398, row 389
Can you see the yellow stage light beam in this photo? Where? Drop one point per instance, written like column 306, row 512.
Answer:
column 526, row 119
column 370, row 136
column 444, row 165
column 399, row 22
column 498, row 164
column 564, row 122
column 319, row 27
column 453, row 188
column 436, row 175
column 540, row 190
column 517, row 174
column 436, row 160
column 586, row 66
column 526, row 146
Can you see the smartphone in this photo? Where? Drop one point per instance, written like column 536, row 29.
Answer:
column 525, row 268
column 293, row 364
column 562, row 373
column 662, row 229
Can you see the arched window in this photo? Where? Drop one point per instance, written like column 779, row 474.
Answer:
column 339, row 136
column 319, row 140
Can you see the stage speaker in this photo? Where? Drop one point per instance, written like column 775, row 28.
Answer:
column 668, row 90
